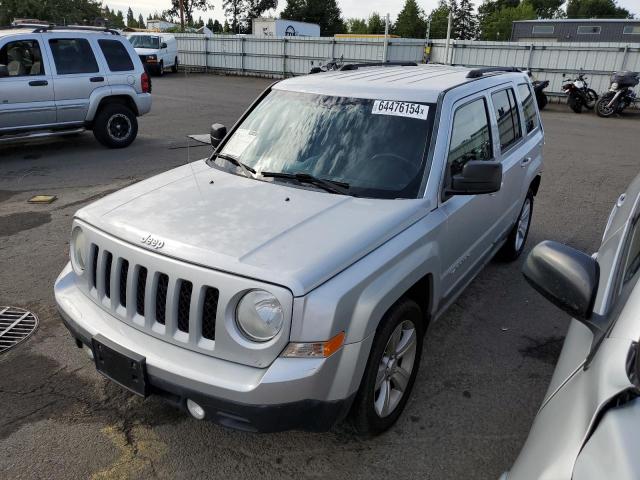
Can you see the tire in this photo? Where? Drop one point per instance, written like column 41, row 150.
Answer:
column 115, row 126
column 601, row 106
column 575, row 103
column 402, row 322
column 174, row 69
column 517, row 238
column 161, row 68
column 592, row 98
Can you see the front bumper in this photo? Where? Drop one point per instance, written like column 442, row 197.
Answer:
column 292, row 393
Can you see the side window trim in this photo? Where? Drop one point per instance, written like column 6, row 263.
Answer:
column 521, row 101
column 43, row 64
column 521, row 135
column 457, row 105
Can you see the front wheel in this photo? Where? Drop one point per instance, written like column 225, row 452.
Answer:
column 575, row 103
column 514, row 246
column 161, row 69
column 174, row 69
column 115, row 126
column 391, row 369
column 602, row 108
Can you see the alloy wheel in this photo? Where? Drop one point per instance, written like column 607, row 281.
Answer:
column 395, row 368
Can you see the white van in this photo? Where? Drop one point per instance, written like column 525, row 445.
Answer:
column 157, row 51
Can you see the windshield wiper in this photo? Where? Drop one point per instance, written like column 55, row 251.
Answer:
column 246, row 169
column 327, row 185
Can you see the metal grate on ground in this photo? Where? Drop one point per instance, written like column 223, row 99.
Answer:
column 16, row 325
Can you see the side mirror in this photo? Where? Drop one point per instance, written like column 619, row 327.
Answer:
column 477, row 177
column 566, row 277
column 4, row 71
column 218, row 132
column 163, row 45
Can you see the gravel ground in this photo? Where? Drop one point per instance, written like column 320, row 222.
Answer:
column 486, row 363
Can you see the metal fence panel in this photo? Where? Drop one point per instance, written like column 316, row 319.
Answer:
column 285, row 56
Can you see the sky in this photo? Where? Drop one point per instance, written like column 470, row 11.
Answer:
column 350, row 8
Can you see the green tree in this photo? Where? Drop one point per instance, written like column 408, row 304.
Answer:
column 596, row 9
column 375, row 24
column 217, row 27
column 255, row 8
column 439, row 17
column 411, row 22
column 498, row 24
column 465, row 24
column 234, row 10
column 357, row 25
column 210, row 24
column 327, row 14
column 131, row 20
column 189, row 7
column 141, row 21
column 547, row 8
column 226, row 28
column 295, row 10
column 62, row 12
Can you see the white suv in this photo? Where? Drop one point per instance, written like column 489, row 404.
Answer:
column 291, row 276
column 63, row 80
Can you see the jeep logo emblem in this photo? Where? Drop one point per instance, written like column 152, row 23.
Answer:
column 152, row 242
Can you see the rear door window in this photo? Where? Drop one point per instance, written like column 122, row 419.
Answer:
column 530, row 114
column 22, row 58
column 73, row 55
column 116, row 55
column 507, row 116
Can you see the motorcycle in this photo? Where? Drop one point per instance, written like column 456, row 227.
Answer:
column 541, row 97
column 620, row 94
column 331, row 65
column 579, row 94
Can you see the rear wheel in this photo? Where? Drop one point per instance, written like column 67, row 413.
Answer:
column 592, row 98
column 602, row 108
column 391, row 370
column 514, row 245
column 115, row 126
column 174, row 69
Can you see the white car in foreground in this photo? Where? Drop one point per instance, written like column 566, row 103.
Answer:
column 588, row 427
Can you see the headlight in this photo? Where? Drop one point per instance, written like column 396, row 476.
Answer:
column 259, row 316
column 151, row 57
column 614, row 86
column 78, row 249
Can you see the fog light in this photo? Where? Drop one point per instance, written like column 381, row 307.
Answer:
column 88, row 351
column 195, row 410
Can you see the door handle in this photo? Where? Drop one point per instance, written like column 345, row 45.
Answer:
column 525, row 161
column 96, row 79
column 38, row 83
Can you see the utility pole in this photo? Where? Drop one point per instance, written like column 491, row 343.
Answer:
column 446, row 50
column 182, row 15
column 386, row 38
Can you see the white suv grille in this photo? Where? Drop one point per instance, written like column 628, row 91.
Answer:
column 151, row 299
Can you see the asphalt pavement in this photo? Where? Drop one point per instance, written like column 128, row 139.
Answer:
column 485, row 367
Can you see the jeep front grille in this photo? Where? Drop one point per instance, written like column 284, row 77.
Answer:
column 152, row 299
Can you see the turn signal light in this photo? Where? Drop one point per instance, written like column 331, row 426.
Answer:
column 315, row 349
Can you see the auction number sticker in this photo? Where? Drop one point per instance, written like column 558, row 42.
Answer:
column 400, row 109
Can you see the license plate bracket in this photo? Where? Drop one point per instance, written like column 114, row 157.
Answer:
column 124, row 367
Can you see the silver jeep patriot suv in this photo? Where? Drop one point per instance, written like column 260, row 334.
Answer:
column 64, row 80
column 289, row 279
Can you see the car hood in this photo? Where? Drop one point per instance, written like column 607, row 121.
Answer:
column 146, row 51
column 294, row 237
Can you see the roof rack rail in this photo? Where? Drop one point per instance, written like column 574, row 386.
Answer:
column 29, row 26
column 355, row 66
column 45, row 28
column 479, row 72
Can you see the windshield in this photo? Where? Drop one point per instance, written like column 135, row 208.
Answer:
column 145, row 41
column 376, row 147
